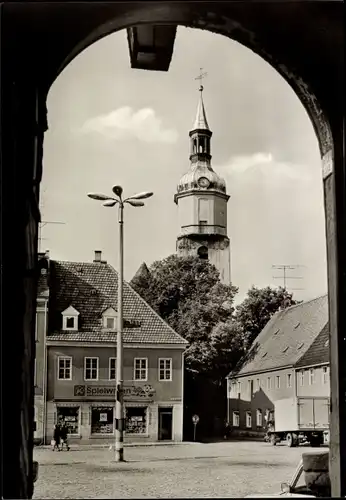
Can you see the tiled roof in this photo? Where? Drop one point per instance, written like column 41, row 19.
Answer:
column 286, row 337
column 91, row 288
column 318, row 352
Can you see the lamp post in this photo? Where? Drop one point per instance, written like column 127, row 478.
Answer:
column 109, row 201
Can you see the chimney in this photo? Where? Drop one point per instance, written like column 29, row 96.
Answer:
column 98, row 256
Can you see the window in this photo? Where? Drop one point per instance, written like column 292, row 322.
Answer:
column 141, row 369
column 311, row 376
column 64, row 368
column 102, row 420
column 91, row 368
column 69, row 415
column 239, row 387
column 269, row 383
column 109, row 318
column 249, row 386
column 70, row 323
column 325, row 375
column 202, row 251
column 278, row 382
column 236, row 419
column 258, row 384
column 110, row 323
column 165, row 369
column 259, row 420
column 70, row 319
column 301, row 378
column 289, row 380
column 136, row 420
column 112, row 369
column 248, row 420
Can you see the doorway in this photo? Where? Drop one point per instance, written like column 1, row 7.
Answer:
column 165, row 424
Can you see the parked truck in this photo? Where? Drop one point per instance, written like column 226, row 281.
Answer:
column 298, row 420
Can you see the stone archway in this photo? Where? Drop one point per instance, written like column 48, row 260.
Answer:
column 40, row 39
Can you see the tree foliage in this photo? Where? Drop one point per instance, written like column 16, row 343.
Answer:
column 188, row 294
column 258, row 307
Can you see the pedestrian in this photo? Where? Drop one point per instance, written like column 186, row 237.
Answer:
column 56, row 438
column 63, row 435
column 227, row 430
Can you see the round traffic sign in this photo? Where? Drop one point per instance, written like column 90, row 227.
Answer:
column 195, row 419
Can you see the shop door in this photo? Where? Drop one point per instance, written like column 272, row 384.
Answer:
column 165, row 423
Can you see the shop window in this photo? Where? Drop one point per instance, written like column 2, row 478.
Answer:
column 248, row 419
column 259, row 420
column 70, row 415
column 64, row 368
column 136, row 420
column 102, row 420
column 91, row 368
column 140, row 369
column 236, row 419
column 165, row 369
column 112, row 369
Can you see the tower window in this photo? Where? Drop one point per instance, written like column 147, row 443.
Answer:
column 203, row 252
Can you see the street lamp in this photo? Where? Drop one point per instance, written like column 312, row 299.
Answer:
column 109, row 201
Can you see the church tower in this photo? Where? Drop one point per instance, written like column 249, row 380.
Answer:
column 202, row 202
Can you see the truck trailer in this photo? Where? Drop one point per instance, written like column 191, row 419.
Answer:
column 300, row 419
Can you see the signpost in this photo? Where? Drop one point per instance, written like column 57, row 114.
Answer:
column 195, row 420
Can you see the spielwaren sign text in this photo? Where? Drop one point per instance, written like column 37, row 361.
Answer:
column 132, row 391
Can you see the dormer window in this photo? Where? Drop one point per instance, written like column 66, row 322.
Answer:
column 109, row 317
column 70, row 319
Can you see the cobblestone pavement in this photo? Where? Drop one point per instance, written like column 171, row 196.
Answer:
column 226, row 469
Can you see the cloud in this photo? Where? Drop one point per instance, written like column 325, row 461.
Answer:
column 265, row 166
column 125, row 123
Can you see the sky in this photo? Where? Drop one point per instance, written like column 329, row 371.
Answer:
column 110, row 124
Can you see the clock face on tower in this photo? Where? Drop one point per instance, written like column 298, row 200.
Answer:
column 203, row 182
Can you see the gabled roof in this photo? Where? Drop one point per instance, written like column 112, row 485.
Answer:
column 91, row 288
column 318, row 352
column 286, row 337
column 142, row 273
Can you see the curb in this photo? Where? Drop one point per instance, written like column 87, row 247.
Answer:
column 90, row 446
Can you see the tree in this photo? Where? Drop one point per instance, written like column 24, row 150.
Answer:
column 258, row 307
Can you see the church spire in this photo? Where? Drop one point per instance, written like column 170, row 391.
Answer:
column 201, row 122
column 200, row 134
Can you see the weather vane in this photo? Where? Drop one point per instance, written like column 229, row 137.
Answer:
column 200, row 77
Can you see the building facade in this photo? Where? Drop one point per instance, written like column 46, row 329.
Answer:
column 76, row 358
column 289, row 358
column 202, row 203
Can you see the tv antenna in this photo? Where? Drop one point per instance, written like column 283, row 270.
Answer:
column 284, row 268
column 40, row 226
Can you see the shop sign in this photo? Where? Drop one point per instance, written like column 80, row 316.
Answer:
column 132, row 391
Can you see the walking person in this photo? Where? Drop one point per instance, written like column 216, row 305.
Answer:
column 56, row 437
column 63, row 435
